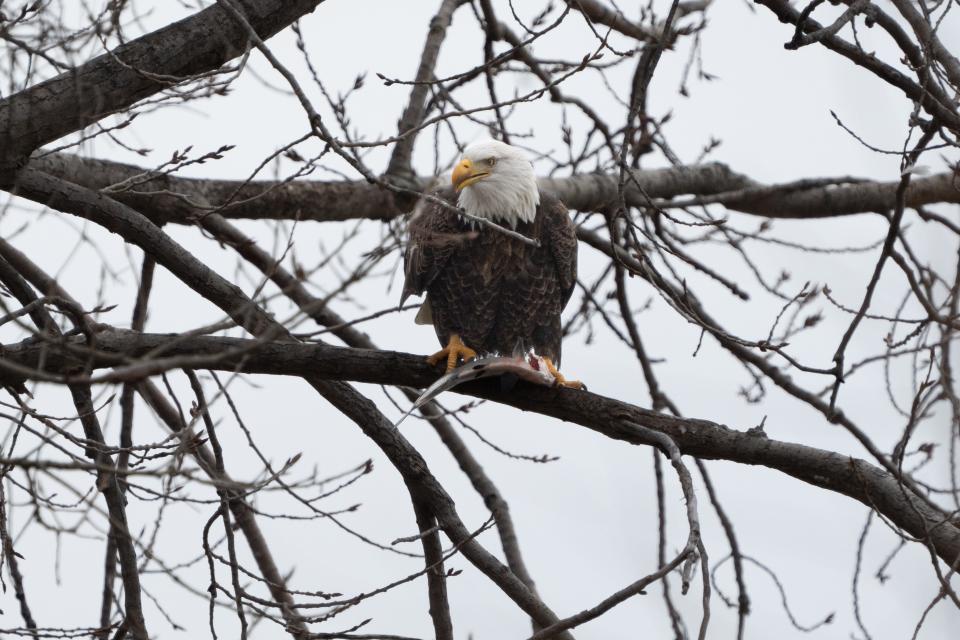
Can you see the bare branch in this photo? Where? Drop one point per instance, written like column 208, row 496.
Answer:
column 133, row 71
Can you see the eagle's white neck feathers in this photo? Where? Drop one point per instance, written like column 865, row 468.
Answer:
column 509, row 193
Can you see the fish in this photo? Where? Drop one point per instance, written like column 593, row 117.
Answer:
column 524, row 366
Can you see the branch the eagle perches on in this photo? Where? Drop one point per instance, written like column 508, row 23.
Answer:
column 128, row 357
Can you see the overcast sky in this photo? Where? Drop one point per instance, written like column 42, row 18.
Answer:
column 586, row 522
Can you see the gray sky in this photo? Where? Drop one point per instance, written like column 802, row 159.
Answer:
column 587, row 522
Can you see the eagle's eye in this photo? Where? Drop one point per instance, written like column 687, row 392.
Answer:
column 491, row 161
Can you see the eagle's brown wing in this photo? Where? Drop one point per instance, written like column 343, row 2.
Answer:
column 544, row 281
column 559, row 235
column 433, row 235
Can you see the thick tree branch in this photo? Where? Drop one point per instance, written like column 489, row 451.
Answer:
column 701, row 438
column 133, row 71
column 182, row 200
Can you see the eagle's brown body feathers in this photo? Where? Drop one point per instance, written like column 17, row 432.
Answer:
column 497, row 293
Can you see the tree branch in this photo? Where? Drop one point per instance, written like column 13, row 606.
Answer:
column 701, row 438
column 133, row 71
column 168, row 198
column 934, row 101
column 596, row 12
column 400, row 167
column 107, row 481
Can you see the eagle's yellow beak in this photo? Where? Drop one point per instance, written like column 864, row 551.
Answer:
column 465, row 175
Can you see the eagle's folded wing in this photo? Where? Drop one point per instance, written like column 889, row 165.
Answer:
column 559, row 234
column 433, row 235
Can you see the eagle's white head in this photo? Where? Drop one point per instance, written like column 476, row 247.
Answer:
column 496, row 181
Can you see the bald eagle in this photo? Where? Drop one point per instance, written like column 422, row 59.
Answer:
column 487, row 292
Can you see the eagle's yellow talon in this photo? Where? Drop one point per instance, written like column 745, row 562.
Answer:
column 454, row 351
column 560, row 380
